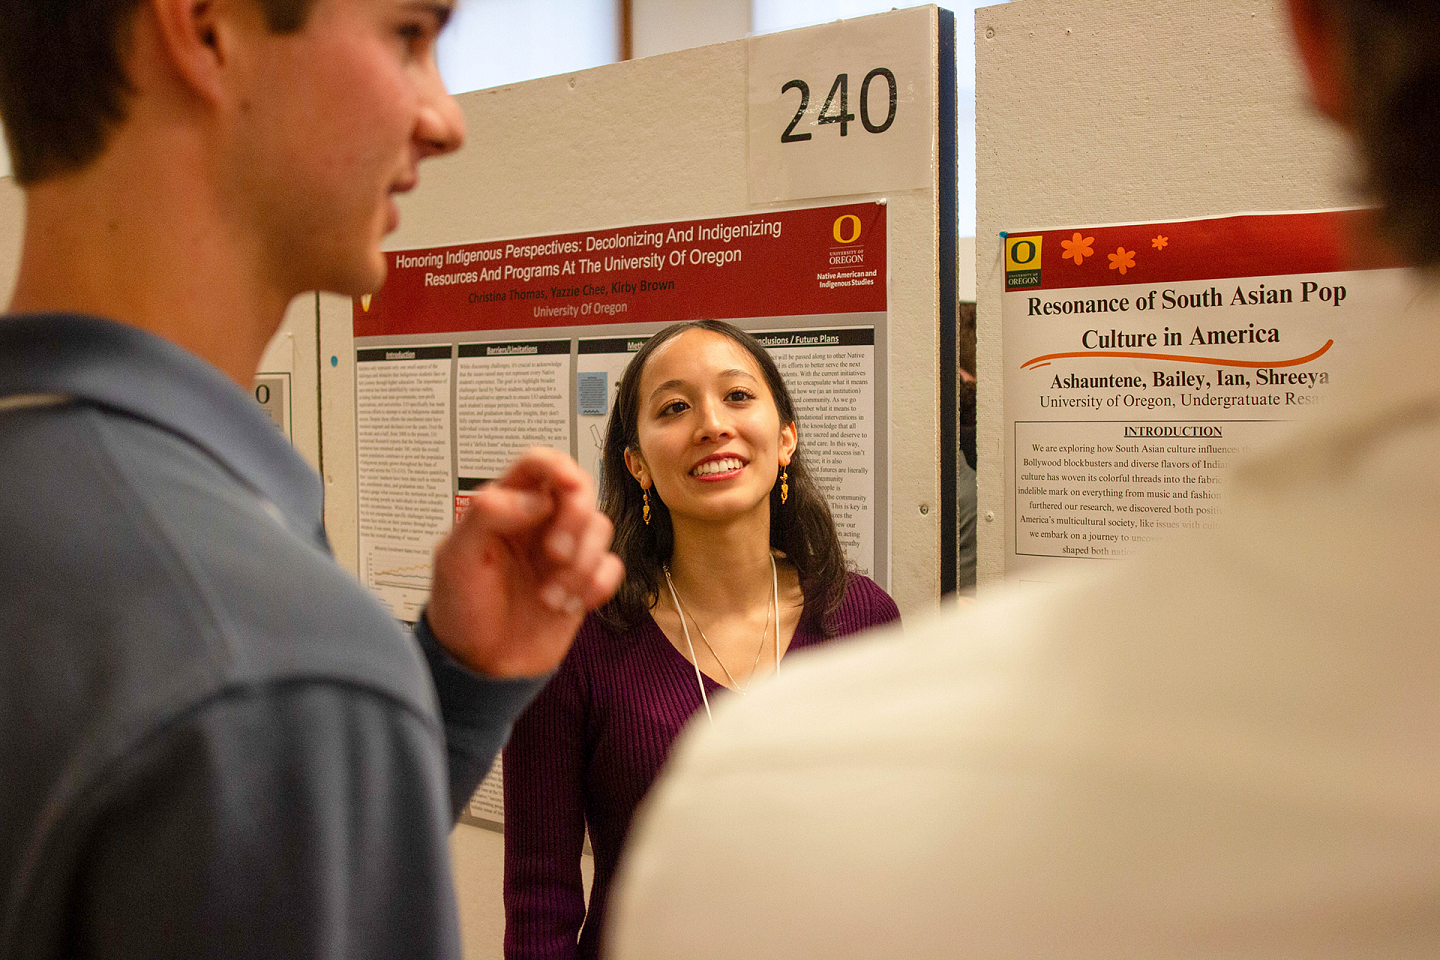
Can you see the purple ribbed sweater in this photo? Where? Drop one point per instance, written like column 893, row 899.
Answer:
column 585, row 752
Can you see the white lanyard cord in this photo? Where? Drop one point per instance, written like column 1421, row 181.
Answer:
column 695, row 662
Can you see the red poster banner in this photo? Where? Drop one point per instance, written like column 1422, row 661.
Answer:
column 1259, row 245
column 820, row 260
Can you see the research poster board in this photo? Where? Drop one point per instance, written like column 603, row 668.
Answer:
column 1143, row 358
column 1126, row 111
column 563, row 158
column 538, row 166
column 473, row 352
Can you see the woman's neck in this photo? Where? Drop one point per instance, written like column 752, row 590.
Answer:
column 723, row 566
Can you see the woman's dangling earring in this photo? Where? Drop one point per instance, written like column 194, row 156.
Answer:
column 645, row 505
column 784, row 486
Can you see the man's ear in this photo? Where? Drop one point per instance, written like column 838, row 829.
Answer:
column 636, row 465
column 196, row 38
column 1320, row 43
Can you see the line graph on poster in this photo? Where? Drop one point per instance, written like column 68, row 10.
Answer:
column 400, row 577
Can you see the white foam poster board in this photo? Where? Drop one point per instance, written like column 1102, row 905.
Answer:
column 543, row 168
column 1142, row 359
column 473, row 352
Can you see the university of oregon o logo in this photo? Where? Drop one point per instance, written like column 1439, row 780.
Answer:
column 1022, row 262
column 847, row 223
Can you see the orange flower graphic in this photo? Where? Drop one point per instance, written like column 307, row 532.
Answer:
column 1077, row 249
column 1160, row 243
column 1122, row 260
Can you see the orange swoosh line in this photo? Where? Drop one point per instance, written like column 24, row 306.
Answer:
column 1179, row 358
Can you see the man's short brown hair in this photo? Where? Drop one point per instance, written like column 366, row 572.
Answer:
column 63, row 86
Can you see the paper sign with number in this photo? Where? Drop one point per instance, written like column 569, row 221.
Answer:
column 844, row 108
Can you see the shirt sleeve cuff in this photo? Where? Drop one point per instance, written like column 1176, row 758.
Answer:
column 477, row 712
column 469, row 697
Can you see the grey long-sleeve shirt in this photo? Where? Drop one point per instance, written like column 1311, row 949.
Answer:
column 215, row 742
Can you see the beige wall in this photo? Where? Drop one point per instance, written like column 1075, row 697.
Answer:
column 12, row 222
column 1105, row 111
column 965, row 280
column 665, row 26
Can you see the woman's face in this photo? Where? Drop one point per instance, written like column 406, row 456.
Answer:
column 711, row 441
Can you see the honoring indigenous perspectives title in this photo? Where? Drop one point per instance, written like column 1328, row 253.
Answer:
column 643, row 249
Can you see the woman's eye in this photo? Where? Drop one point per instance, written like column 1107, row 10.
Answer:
column 673, row 407
column 739, row 396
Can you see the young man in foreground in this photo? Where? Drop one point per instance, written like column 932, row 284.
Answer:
column 1226, row 751
column 215, row 742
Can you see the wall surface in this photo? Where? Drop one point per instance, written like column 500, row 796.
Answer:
column 665, row 26
column 293, row 350
column 12, row 224
column 965, row 285
column 1106, row 111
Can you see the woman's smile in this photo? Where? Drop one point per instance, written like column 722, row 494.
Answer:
column 719, row 467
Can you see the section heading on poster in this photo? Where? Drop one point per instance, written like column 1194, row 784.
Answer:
column 858, row 337
column 531, row 348
column 405, row 353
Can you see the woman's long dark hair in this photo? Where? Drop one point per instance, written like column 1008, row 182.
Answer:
column 802, row 529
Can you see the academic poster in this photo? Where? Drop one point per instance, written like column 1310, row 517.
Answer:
column 471, row 353
column 1142, row 359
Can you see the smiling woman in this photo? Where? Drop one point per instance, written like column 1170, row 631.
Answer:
column 732, row 561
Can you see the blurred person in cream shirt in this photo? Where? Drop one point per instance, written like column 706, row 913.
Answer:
column 1226, row 750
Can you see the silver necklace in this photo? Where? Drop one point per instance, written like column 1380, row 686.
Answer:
column 774, row 614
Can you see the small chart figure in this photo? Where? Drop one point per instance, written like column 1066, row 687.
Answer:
column 399, row 577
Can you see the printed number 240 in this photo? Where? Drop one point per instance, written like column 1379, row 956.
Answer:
column 841, row 89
